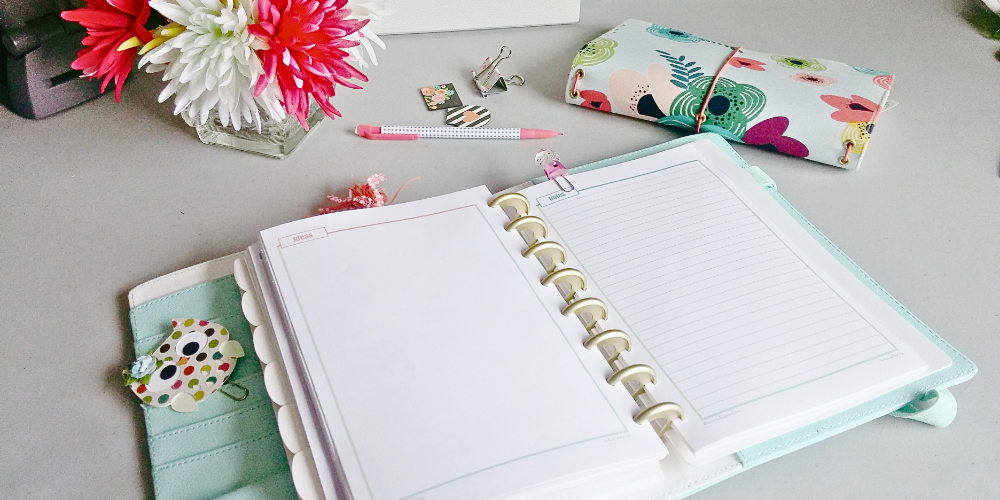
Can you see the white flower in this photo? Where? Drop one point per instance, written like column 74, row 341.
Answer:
column 375, row 11
column 211, row 64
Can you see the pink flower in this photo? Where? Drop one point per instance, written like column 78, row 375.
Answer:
column 595, row 100
column 305, row 54
column 884, row 81
column 365, row 195
column 438, row 98
column 770, row 134
column 813, row 79
column 857, row 109
column 109, row 24
column 427, row 91
column 743, row 62
column 360, row 196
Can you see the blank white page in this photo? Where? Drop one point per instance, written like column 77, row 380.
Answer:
column 441, row 366
column 740, row 322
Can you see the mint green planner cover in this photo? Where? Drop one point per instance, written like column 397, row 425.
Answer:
column 226, row 449
column 961, row 370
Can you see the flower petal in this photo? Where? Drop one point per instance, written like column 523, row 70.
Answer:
column 97, row 18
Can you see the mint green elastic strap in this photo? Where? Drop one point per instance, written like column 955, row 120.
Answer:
column 937, row 408
column 762, row 178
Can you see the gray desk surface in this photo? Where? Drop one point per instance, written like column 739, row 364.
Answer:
column 103, row 197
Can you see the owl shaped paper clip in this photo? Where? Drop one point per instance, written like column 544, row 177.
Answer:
column 195, row 361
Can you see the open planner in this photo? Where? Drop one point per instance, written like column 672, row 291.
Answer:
column 554, row 343
column 655, row 325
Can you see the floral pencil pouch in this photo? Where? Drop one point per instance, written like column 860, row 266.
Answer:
column 816, row 109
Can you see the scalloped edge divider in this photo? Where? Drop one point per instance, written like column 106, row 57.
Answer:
column 300, row 460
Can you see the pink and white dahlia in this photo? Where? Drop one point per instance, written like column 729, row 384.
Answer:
column 303, row 47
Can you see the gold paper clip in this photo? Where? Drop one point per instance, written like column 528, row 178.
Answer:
column 489, row 80
column 246, row 392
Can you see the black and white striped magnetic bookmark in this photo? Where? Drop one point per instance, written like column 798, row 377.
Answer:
column 467, row 116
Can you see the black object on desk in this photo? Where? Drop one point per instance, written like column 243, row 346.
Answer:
column 36, row 79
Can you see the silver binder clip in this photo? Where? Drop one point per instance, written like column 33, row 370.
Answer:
column 489, row 80
column 554, row 169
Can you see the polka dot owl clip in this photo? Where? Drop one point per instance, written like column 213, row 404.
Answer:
column 194, row 361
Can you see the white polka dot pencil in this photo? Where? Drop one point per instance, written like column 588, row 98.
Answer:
column 403, row 133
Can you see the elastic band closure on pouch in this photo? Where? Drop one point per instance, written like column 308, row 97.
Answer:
column 848, row 146
column 704, row 105
column 574, row 92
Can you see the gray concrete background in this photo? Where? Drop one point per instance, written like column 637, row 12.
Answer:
column 103, row 197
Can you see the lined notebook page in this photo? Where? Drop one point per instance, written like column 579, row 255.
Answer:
column 723, row 304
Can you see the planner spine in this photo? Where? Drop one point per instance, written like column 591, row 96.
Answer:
column 590, row 311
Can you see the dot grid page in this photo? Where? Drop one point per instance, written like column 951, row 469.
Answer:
column 720, row 300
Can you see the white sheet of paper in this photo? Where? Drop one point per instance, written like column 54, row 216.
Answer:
column 441, row 365
column 756, row 328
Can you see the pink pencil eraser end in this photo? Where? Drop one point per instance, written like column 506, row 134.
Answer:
column 367, row 130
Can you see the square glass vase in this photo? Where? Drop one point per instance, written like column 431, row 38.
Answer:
column 276, row 139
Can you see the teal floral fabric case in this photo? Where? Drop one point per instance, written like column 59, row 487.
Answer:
column 816, row 109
